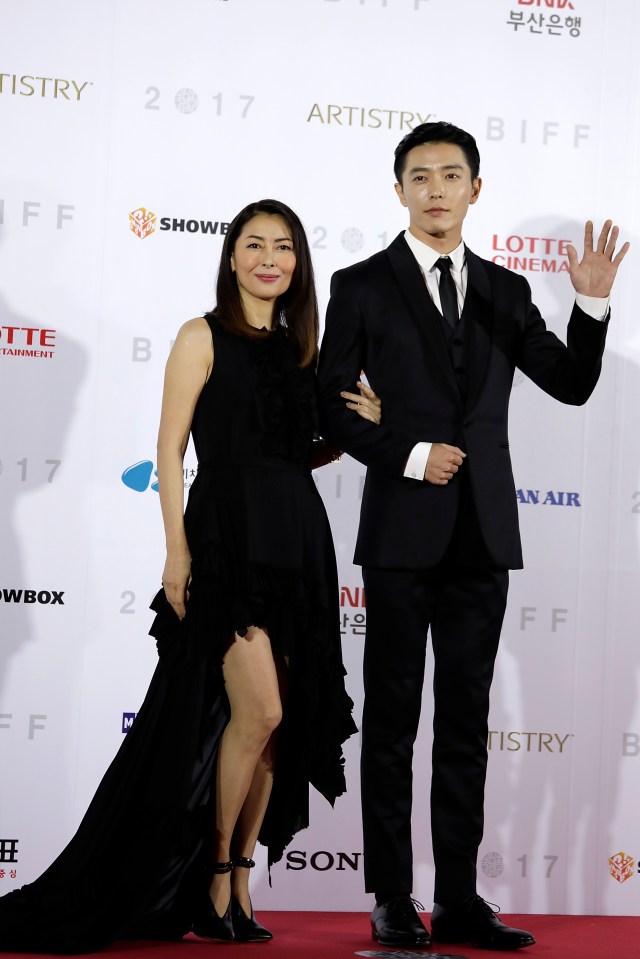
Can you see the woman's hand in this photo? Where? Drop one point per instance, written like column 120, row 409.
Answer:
column 175, row 580
column 366, row 403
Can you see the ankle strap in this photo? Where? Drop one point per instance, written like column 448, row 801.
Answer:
column 221, row 867
column 243, row 862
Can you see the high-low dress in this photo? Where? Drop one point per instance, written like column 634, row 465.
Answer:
column 262, row 555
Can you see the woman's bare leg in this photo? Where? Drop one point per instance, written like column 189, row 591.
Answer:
column 245, row 770
column 245, row 835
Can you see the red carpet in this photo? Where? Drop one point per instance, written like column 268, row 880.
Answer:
column 313, row 935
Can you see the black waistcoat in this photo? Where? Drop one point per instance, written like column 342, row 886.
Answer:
column 459, row 347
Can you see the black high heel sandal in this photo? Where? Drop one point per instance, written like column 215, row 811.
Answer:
column 246, row 928
column 207, row 923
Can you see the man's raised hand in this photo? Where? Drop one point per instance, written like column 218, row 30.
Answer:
column 594, row 274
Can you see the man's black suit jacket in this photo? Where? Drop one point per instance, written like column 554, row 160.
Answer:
column 381, row 319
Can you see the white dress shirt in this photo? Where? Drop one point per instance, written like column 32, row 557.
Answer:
column 594, row 306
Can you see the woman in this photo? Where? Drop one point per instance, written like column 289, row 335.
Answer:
column 247, row 705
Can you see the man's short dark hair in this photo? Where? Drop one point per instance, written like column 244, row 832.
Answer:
column 440, row 132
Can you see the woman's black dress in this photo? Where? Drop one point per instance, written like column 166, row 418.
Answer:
column 262, row 555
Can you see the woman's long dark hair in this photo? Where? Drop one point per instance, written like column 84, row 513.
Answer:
column 297, row 309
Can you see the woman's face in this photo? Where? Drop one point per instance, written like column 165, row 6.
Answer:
column 263, row 258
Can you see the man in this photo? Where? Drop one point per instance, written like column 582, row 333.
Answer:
column 439, row 332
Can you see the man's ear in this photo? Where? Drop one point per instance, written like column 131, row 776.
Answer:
column 475, row 189
column 400, row 192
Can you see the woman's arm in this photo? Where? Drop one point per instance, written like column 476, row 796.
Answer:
column 366, row 404
column 188, row 368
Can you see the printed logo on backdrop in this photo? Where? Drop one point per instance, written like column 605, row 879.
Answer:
column 543, row 132
column 186, row 101
column 372, row 118
column 36, row 723
column 127, row 722
column 352, row 239
column 622, row 866
column 8, row 858
column 530, row 254
column 141, row 349
column 535, row 497
column 31, row 211
column 140, row 476
column 51, row 88
column 545, row 18
column 44, row 597
column 492, row 864
column 28, row 341
column 323, row 861
column 27, row 471
column 631, row 745
column 513, row 742
column 559, row 616
column 353, row 618
column 142, row 223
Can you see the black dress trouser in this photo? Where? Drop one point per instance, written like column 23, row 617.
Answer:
column 462, row 600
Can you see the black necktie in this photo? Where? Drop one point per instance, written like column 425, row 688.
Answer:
column 448, row 294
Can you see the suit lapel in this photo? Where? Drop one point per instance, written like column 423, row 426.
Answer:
column 421, row 308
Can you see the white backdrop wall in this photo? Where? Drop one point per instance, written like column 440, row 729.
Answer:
column 181, row 114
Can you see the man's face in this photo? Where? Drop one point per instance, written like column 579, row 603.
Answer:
column 437, row 189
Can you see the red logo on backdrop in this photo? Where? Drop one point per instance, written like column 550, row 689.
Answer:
column 621, row 866
column 557, row 4
column 352, row 596
column 27, row 341
column 536, row 254
column 351, row 621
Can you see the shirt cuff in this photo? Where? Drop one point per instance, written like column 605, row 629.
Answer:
column 596, row 307
column 417, row 462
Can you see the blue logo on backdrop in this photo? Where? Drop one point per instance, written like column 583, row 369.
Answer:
column 138, row 477
column 536, row 497
column 127, row 721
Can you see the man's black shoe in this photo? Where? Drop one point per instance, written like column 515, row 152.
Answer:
column 397, row 923
column 476, row 922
